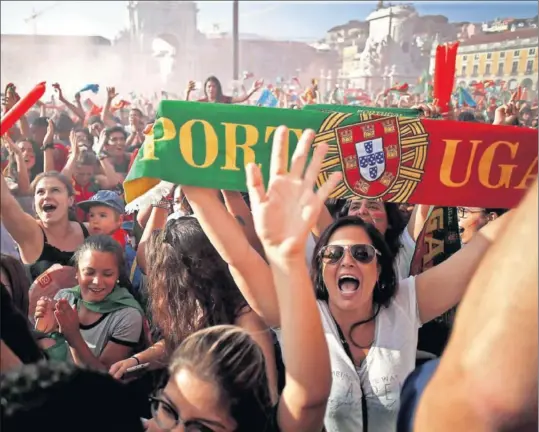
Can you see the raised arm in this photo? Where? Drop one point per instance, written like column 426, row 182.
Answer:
column 284, row 217
column 442, row 287
column 417, row 220
column 23, row 228
column 68, row 104
column 156, row 221
column 23, row 179
column 256, row 86
column 106, row 115
column 251, row 273
column 48, row 148
column 238, row 208
column 493, row 348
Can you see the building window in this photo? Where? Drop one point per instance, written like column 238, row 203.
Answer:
column 464, row 58
column 529, row 67
column 476, row 57
column 463, row 73
column 487, row 70
column 475, row 70
column 502, row 54
column 516, row 53
column 532, row 51
column 514, row 69
column 500, row 69
column 489, row 56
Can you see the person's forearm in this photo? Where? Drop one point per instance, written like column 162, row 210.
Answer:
column 25, row 127
column 72, row 108
column 238, row 208
column 156, row 355
column 48, row 160
column 23, row 179
column 82, row 356
column 113, row 178
column 68, row 168
column 157, row 221
column 305, row 350
column 493, row 347
column 324, row 220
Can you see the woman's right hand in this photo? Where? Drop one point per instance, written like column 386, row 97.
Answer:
column 45, row 314
column 190, row 86
column 286, row 212
column 118, row 369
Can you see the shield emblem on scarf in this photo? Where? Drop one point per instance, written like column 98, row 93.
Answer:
column 372, row 162
column 370, row 154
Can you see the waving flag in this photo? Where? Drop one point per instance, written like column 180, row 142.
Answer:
column 94, row 88
column 465, row 98
column 267, row 99
column 398, row 88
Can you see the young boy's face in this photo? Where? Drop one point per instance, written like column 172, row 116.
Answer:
column 103, row 220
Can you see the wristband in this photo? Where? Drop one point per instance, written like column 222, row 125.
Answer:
column 47, row 146
column 138, row 361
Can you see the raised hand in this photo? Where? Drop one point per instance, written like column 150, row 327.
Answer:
column 49, row 136
column 285, row 214
column 68, row 319
column 111, row 93
column 44, row 315
column 58, row 89
column 11, row 147
column 191, row 86
column 257, row 85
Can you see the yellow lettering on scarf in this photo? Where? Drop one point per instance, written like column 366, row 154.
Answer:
column 186, row 143
column 485, row 165
column 528, row 178
column 449, row 160
column 169, row 133
column 232, row 146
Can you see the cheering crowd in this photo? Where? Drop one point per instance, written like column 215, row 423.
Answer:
column 279, row 310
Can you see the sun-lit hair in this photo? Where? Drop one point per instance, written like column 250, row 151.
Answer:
column 229, row 357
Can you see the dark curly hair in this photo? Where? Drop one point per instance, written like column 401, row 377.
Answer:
column 189, row 285
column 386, row 288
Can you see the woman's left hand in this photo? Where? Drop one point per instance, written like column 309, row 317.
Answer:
column 68, row 319
column 257, row 85
column 285, row 214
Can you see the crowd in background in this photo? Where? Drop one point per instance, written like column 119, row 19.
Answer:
column 277, row 311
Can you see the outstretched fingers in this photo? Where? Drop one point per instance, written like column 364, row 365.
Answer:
column 279, row 153
column 299, row 159
column 314, row 167
column 255, row 185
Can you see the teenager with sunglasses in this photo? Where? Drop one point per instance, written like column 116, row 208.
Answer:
column 370, row 318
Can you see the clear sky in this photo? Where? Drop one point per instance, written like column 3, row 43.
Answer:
column 294, row 20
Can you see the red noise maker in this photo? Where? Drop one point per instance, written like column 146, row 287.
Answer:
column 21, row 107
column 444, row 74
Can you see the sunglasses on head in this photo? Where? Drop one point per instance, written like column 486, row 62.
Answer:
column 363, row 253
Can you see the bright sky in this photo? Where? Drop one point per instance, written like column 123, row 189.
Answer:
column 284, row 20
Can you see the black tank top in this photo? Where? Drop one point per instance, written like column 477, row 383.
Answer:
column 51, row 255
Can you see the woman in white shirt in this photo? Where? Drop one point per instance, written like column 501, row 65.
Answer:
column 358, row 292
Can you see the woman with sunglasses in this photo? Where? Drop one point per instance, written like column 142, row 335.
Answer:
column 217, row 376
column 370, row 318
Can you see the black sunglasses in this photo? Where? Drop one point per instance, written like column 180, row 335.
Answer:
column 363, row 253
column 167, row 418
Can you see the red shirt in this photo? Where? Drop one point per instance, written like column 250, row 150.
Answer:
column 120, row 236
column 83, row 193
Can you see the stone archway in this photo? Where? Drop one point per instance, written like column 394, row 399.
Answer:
column 165, row 49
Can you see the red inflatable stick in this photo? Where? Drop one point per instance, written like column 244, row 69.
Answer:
column 21, row 107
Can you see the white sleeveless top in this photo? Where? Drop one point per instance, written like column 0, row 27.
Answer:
column 389, row 361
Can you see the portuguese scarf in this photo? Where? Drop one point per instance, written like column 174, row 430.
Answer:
column 395, row 159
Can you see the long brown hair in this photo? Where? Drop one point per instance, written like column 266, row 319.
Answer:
column 189, row 284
